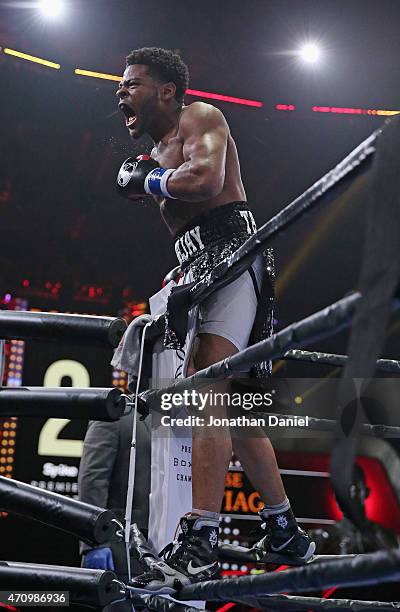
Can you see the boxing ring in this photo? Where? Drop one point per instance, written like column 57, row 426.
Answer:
column 366, row 310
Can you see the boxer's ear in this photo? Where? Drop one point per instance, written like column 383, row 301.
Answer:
column 167, row 91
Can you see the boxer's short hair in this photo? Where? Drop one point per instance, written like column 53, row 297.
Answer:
column 164, row 65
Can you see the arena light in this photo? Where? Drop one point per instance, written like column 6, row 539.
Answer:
column 222, row 98
column 51, row 8
column 338, row 110
column 97, row 75
column 31, row 58
column 285, row 107
column 384, row 112
column 310, row 53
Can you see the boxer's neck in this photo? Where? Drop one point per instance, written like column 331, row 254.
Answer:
column 168, row 128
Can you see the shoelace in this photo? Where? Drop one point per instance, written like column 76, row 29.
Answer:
column 178, row 549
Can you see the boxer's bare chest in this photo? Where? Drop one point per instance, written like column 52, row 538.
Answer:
column 175, row 213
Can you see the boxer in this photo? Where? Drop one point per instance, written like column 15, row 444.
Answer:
column 193, row 174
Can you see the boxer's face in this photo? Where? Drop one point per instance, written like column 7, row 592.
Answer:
column 139, row 100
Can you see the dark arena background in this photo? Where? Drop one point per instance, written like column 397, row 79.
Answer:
column 70, row 244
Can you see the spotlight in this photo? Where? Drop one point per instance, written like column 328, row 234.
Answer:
column 310, row 53
column 51, row 8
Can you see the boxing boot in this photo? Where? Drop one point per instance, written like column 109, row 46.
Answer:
column 192, row 558
column 284, row 541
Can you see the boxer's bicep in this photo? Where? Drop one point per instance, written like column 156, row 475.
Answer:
column 204, row 146
column 204, row 133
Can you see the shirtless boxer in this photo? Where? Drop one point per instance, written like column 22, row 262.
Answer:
column 194, row 176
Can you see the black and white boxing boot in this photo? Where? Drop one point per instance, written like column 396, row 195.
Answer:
column 284, row 541
column 192, row 558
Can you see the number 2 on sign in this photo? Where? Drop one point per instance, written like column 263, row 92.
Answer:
column 49, row 443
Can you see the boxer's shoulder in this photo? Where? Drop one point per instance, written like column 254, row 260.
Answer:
column 202, row 116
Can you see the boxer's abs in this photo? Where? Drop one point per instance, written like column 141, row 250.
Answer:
column 177, row 213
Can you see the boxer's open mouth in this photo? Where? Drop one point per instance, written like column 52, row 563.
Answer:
column 130, row 115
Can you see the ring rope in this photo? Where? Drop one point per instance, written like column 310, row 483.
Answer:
column 370, row 568
column 80, row 329
column 366, row 429
column 382, row 365
column 295, row 602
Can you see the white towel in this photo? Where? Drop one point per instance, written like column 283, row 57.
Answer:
column 127, row 353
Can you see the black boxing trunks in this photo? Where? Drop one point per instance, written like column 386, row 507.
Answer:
column 242, row 311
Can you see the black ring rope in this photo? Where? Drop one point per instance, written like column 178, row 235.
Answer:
column 367, row 429
column 382, row 365
column 294, row 602
column 370, row 568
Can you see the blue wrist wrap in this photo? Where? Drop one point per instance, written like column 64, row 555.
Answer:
column 155, row 182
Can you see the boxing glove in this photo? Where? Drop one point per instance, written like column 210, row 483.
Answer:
column 98, row 558
column 173, row 275
column 143, row 176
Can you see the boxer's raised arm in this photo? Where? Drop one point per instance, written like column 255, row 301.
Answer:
column 205, row 135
